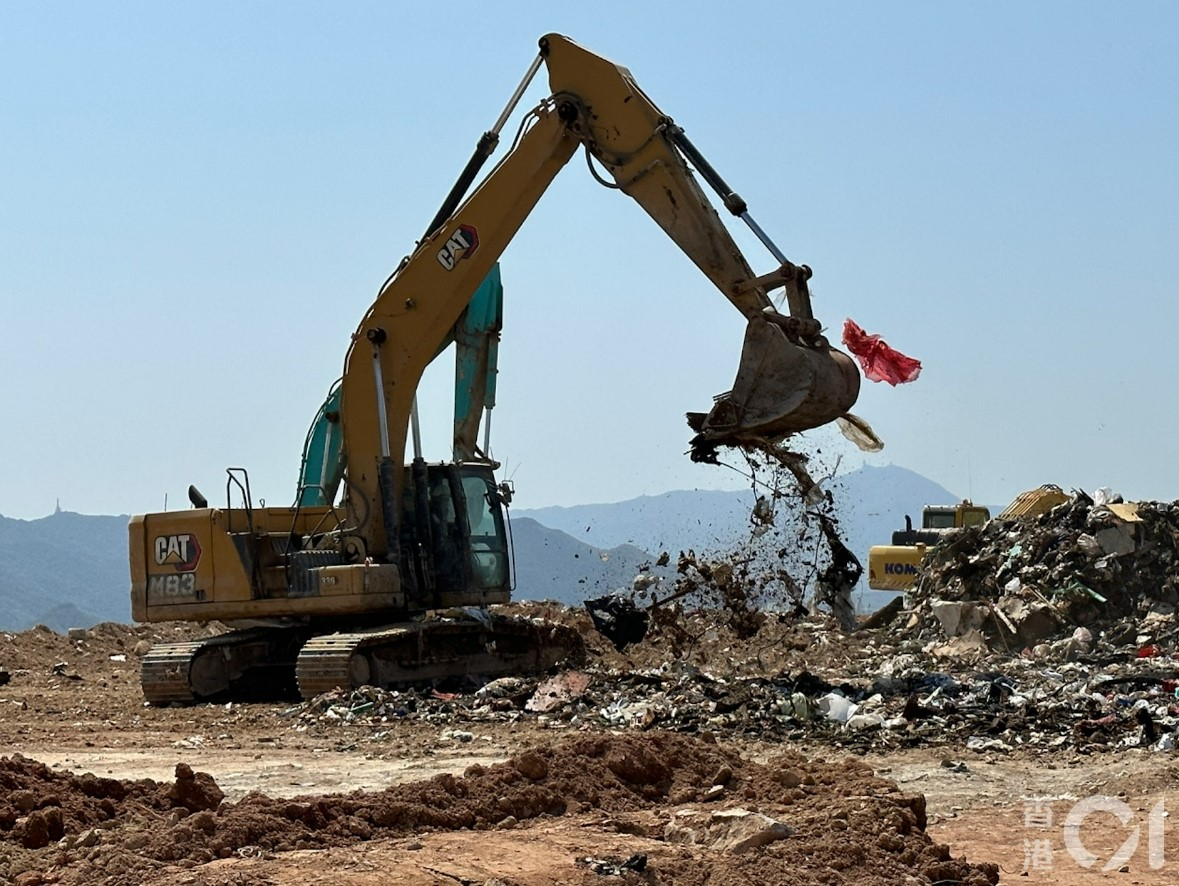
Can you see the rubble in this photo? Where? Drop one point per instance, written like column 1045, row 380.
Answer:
column 908, row 684
column 1075, row 609
column 727, row 830
column 1079, row 564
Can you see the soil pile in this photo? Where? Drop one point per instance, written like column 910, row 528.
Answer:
column 848, row 825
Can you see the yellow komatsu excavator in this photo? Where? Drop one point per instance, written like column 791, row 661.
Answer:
column 896, row 567
column 320, row 596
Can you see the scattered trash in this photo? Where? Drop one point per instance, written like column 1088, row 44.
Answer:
column 615, row 866
column 835, row 707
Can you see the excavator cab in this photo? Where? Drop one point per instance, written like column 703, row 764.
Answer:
column 455, row 534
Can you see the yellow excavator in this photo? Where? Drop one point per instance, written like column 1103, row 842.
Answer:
column 387, row 579
column 896, row 567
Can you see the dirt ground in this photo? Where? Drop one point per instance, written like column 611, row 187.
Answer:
column 97, row 787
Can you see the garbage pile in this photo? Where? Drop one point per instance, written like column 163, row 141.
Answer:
column 1084, row 571
column 1050, row 633
column 804, row 681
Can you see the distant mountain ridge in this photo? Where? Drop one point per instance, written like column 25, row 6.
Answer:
column 70, row 570
column 64, row 570
column 871, row 503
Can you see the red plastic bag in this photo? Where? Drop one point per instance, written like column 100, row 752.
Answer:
column 878, row 360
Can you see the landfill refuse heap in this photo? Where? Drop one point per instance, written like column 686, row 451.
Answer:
column 801, row 680
column 1085, row 564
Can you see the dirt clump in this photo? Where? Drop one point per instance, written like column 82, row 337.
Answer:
column 195, row 791
column 46, row 815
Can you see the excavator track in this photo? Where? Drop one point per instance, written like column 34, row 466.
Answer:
column 247, row 664
column 266, row 663
column 163, row 673
column 429, row 651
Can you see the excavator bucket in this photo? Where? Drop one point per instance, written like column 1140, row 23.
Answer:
column 781, row 388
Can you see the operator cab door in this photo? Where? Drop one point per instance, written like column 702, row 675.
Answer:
column 488, row 555
column 447, row 532
column 468, row 541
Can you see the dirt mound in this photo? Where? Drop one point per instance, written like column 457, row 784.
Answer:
column 98, row 656
column 44, row 814
column 847, row 823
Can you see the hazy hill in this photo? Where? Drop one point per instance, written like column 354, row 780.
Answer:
column 64, row 570
column 70, row 570
column 872, row 503
column 551, row 565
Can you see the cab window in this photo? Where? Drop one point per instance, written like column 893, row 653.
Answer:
column 489, row 549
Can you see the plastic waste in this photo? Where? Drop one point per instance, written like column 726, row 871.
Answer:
column 860, row 722
column 879, row 361
column 1103, row 495
column 836, row 707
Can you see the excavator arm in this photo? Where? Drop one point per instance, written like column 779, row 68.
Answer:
column 788, row 380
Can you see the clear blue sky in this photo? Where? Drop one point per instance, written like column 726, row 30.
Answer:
column 199, row 201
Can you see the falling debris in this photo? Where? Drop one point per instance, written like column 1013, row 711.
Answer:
column 836, row 583
column 619, row 619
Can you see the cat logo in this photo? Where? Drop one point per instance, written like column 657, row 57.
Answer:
column 181, row 552
column 462, row 244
